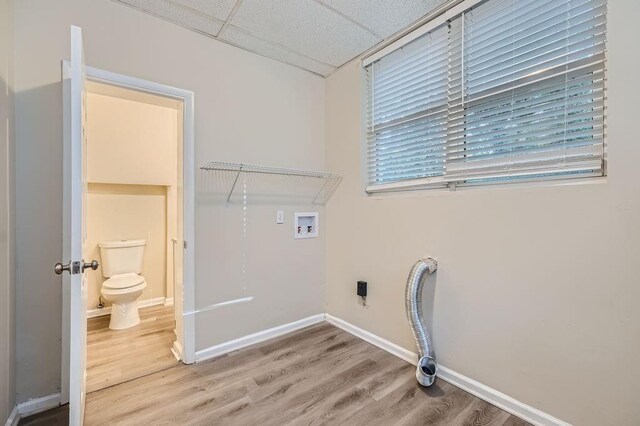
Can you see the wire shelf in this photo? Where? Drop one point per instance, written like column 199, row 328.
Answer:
column 315, row 186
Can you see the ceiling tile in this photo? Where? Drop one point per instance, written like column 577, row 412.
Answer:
column 384, row 17
column 306, row 27
column 180, row 15
column 241, row 38
column 219, row 9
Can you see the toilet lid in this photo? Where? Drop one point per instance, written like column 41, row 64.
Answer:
column 118, row 282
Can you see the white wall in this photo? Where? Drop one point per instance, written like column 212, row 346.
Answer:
column 128, row 212
column 132, row 157
column 131, row 141
column 537, row 289
column 7, row 246
column 248, row 108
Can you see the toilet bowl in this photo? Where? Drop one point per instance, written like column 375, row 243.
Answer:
column 122, row 264
column 123, row 291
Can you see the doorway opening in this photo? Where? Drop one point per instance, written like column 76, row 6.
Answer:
column 134, row 221
column 124, row 266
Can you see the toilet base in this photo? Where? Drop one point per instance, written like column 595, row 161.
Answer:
column 124, row 315
column 124, row 306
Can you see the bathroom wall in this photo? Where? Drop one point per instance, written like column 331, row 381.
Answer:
column 537, row 290
column 118, row 212
column 248, row 109
column 7, row 235
column 132, row 161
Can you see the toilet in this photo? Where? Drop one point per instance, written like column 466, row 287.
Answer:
column 122, row 264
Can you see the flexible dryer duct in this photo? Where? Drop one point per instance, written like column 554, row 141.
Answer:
column 427, row 366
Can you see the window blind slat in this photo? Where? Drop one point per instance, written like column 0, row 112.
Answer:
column 434, row 115
column 554, row 26
column 519, row 88
column 496, row 76
column 500, row 36
column 540, row 49
column 435, row 150
column 436, row 55
column 561, row 88
column 512, row 162
column 432, row 135
column 522, row 147
column 554, row 113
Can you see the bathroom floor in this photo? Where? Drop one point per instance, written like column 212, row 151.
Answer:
column 116, row 356
column 318, row 375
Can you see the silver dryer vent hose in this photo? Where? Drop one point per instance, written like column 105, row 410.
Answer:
column 427, row 366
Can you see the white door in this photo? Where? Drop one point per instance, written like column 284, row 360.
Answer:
column 74, row 233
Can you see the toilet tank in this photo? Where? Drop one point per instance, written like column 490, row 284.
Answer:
column 122, row 256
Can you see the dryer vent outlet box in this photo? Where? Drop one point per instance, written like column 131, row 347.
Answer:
column 305, row 225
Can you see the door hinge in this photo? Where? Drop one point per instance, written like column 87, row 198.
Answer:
column 184, row 243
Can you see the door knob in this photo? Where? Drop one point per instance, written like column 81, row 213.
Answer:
column 75, row 267
column 59, row 268
column 93, row 265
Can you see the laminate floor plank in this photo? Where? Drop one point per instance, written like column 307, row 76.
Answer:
column 397, row 403
column 319, row 375
column 342, row 404
column 441, row 410
column 118, row 356
column 481, row 413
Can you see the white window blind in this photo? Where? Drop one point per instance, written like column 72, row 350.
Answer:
column 525, row 98
column 407, row 117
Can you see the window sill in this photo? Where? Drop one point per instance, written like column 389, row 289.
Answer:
column 497, row 186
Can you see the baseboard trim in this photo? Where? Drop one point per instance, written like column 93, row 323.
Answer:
column 33, row 406
column 99, row 312
column 176, row 350
column 499, row 399
column 375, row 340
column 168, row 301
column 258, row 337
column 492, row 396
column 14, row 417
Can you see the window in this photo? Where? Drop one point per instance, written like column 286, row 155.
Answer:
column 506, row 90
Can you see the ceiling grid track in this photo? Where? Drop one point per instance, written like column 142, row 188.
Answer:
column 353, row 21
column 280, row 46
column 227, row 22
column 317, row 36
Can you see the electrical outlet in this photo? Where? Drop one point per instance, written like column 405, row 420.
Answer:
column 280, row 217
column 362, row 289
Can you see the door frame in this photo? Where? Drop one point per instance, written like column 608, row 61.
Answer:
column 188, row 205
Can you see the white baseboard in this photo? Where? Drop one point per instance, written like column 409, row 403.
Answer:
column 168, row 301
column 176, row 350
column 492, row 396
column 14, row 417
column 258, row 337
column 92, row 313
column 499, row 399
column 378, row 341
column 33, row 406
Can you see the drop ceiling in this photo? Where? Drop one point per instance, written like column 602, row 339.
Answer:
column 316, row 35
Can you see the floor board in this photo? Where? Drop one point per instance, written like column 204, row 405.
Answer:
column 118, row 356
column 320, row 375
